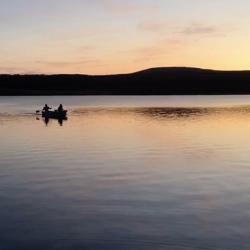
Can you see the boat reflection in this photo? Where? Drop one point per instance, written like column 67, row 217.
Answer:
column 47, row 120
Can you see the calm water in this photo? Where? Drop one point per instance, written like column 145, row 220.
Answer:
column 126, row 173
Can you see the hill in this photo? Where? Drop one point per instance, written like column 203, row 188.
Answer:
column 155, row 81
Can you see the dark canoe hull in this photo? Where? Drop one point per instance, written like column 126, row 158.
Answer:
column 55, row 114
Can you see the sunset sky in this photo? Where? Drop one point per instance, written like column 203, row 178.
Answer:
column 117, row 36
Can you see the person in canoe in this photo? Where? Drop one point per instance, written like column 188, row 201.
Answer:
column 60, row 108
column 46, row 108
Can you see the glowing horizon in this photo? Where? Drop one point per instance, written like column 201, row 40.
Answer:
column 117, row 36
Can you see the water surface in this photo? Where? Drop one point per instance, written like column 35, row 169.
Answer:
column 126, row 173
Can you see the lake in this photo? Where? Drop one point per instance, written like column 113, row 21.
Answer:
column 126, row 172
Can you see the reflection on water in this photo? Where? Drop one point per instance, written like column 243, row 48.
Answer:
column 126, row 178
column 47, row 120
column 151, row 113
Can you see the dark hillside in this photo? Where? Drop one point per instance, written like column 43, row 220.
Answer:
column 155, row 81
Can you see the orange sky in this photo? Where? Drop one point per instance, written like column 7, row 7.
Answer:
column 116, row 36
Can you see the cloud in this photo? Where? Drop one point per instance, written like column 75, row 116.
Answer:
column 53, row 66
column 10, row 70
column 171, row 38
column 173, row 41
column 17, row 70
column 58, row 64
column 201, row 29
column 162, row 27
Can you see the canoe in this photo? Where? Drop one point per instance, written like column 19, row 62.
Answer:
column 55, row 114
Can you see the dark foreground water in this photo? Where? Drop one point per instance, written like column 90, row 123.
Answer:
column 126, row 173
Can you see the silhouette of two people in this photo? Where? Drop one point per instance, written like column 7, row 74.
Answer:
column 46, row 108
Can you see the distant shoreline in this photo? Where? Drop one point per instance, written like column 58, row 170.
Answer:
column 156, row 81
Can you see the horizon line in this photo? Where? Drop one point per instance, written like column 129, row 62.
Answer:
column 128, row 73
